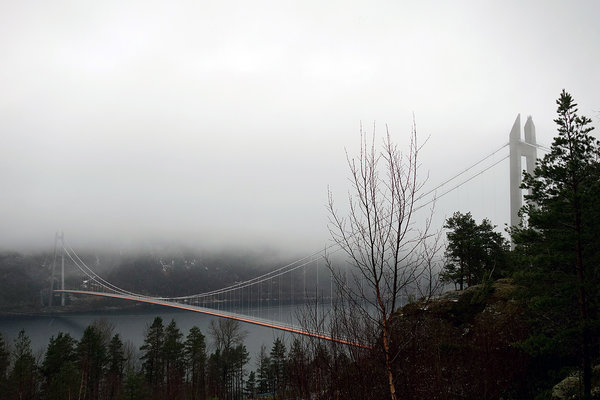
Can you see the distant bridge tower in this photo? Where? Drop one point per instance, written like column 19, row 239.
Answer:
column 58, row 237
column 518, row 149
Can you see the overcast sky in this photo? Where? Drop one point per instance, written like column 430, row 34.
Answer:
column 221, row 123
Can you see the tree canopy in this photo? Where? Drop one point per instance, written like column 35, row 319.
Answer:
column 558, row 244
column 474, row 251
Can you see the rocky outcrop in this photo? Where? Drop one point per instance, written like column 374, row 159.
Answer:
column 570, row 387
column 462, row 344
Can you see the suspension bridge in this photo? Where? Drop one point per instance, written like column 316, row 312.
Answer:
column 258, row 300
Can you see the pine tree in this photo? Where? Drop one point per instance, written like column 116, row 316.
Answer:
column 173, row 357
column 278, row 370
column 195, row 354
column 474, row 252
column 264, row 371
column 116, row 364
column 152, row 358
column 214, row 374
column 321, row 367
column 561, row 239
column 250, row 388
column 236, row 358
column 297, row 369
column 91, row 352
column 60, row 368
column 23, row 376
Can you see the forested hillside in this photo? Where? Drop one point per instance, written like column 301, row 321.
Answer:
column 26, row 278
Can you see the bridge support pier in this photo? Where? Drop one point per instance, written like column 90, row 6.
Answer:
column 518, row 149
column 57, row 237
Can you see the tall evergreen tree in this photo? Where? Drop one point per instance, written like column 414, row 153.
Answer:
column 195, row 353
column 214, row 375
column 561, row 239
column 321, row 367
column 60, row 368
column 24, row 374
column 250, row 388
column 116, row 365
column 238, row 358
column 91, row 352
column 297, row 369
column 152, row 358
column 225, row 371
column 173, row 358
column 264, row 371
column 278, row 367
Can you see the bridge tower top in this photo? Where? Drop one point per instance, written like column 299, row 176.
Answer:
column 520, row 148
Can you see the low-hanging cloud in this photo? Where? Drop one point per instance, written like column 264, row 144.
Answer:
column 223, row 124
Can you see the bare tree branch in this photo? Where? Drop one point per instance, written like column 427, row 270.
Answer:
column 387, row 254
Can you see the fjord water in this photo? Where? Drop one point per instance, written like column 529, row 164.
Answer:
column 131, row 325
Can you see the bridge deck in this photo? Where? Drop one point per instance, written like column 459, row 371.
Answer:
column 221, row 314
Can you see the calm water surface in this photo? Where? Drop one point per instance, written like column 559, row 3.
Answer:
column 131, row 325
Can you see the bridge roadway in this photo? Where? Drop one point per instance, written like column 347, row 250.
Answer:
column 221, row 314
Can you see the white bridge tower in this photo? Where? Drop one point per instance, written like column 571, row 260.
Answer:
column 518, row 149
column 58, row 237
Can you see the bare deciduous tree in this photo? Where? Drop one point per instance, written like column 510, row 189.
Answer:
column 226, row 333
column 386, row 250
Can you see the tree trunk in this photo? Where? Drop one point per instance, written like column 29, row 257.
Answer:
column 388, row 360
column 583, row 312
